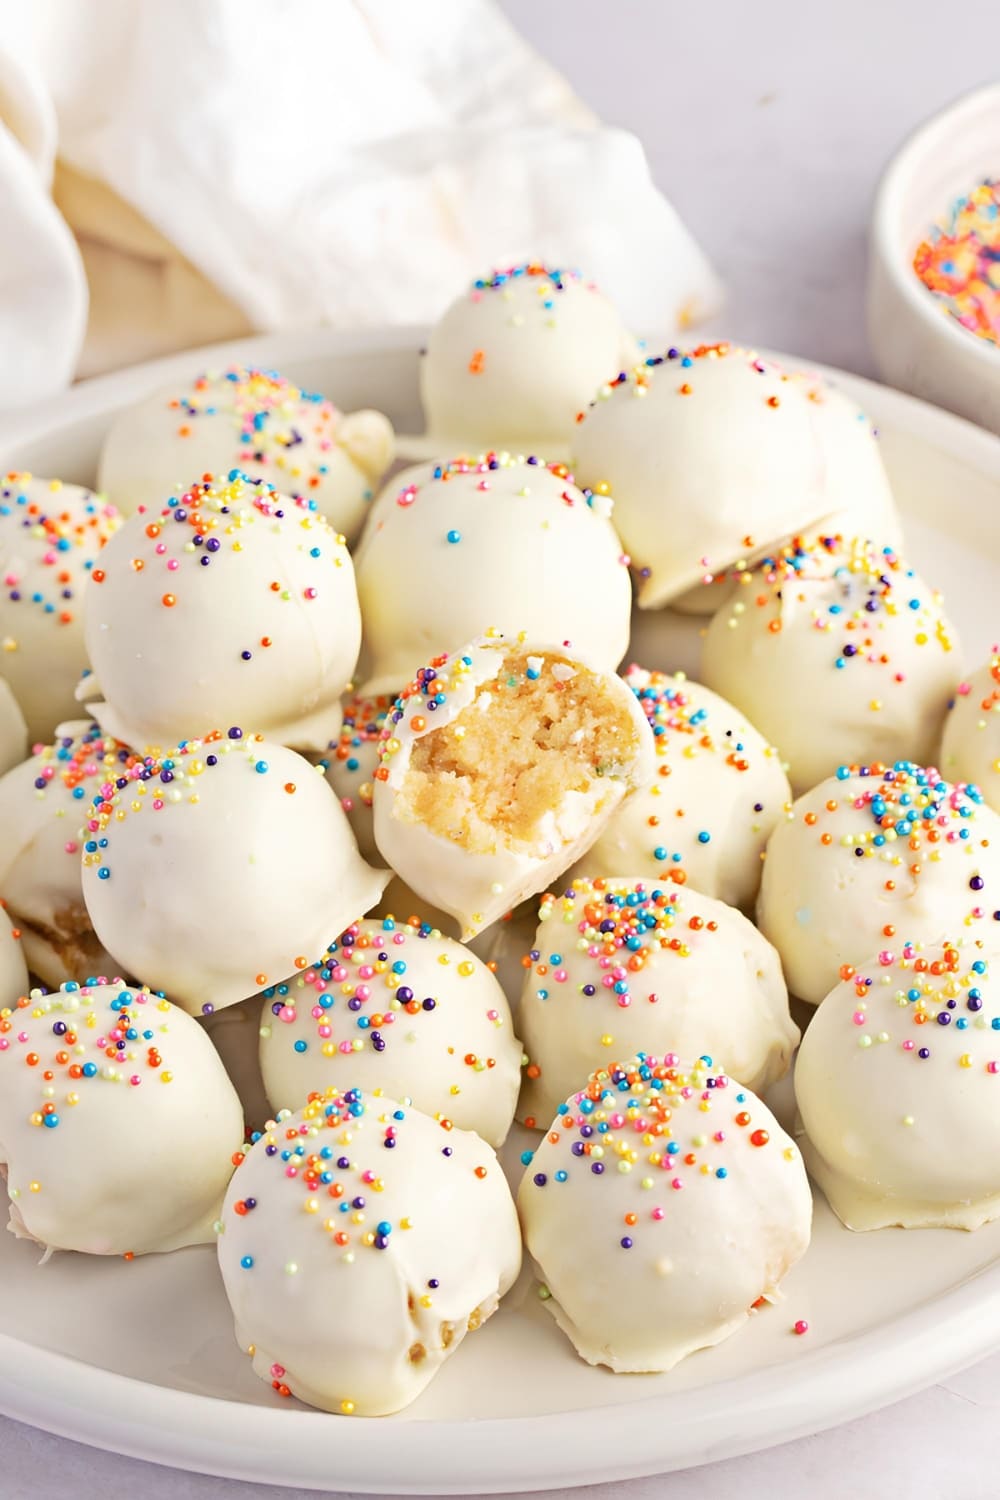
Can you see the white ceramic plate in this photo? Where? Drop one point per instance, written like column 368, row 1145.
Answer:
column 139, row 1357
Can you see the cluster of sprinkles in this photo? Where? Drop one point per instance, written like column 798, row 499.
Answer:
column 943, row 987
column 83, row 1035
column 485, row 466
column 959, row 261
column 685, row 363
column 53, row 540
column 853, row 591
column 276, row 425
column 684, row 730
column 70, row 766
column 669, row 1124
column 368, row 969
column 209, row 524
column 356, row 750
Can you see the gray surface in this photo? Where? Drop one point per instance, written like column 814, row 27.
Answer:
column 767, row 124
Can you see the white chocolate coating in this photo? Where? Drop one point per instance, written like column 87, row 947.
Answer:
column 485, row 542
column 129, row 1148
column 13, row 969
column 50, row 537
column 870, row 860
column 478, row 888
column 897, row 1087
column 235, row 1034
column 349, row 763
column 665, row 1202
column 839, row 653
column 358, row 1270
column 43, row 805
column 234, row 605
column 401, row 1009
column 516, row 358
column 709, row 456
column 13, row 730
column 717, row 791
column 970, row 744
column 628, row 965
column 256, row 421
column 220, row 867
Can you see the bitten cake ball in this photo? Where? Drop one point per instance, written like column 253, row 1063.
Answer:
column 13, row 730
column 118, row 1126
column 501, row 765
column 44, row 803
column 874, row 857
column 51, row 535
column 213, row 870
column 516, row 358
column 618, row 965
column 495, row 541
column 716, row 793
column 896, row 1085
column 664, row 1204
column 255, row 421
column 349, row 763
column 839, row 653
column 361, row 1242
column 13, row 969
column 397, row 1007
column 231, row 603
column 970, row 745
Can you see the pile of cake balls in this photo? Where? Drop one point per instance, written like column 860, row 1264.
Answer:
column 349, row 835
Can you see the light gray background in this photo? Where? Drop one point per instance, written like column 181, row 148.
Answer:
column 767, row 123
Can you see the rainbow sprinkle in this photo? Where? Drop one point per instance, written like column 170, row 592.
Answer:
column 959, row 261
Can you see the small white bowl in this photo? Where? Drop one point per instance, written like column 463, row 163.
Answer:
column 918, row 345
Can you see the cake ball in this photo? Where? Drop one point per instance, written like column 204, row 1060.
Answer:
column 493, row 541
column 119, row 1129
column 398, row 1007
column 231, row 603
column 235, row 1034
column 873, row 857
column 709, row 455
column 350, row 760
column 13, row 969
column 516, row 358
column 255, row 421
column 361, row 1242
column 43, row 805
column 51, row 535
column 970, row 745
column 663, row 1205
column 213, row 870
column 618, row 965
column 839, row 653
column 896, row 1086
column 13, row 730
column 500, row 766
column 717, row 790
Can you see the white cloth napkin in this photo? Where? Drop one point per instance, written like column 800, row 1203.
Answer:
column 237, row 165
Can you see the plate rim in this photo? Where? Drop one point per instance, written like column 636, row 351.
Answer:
column 124, row 1414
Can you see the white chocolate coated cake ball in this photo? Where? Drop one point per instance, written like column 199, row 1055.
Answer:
column 256, row 421
column 622, row 965
column 350, row 761
column 839, row 653
column 13, row 730
column 516, row 358
column 231, row 604
column 970, row 744
column 871, row 859
column 485, row 542
column 401, row 1008
column 211, row 871
column 897, row 1085
column 857, row 486
column 662, row 1205
column 51, row 535
column 501, row 765
column 118, row 1125
column 362, row 1241
column 710, row 455
column 44, row 803
column 716, row 793
column 13, row 969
